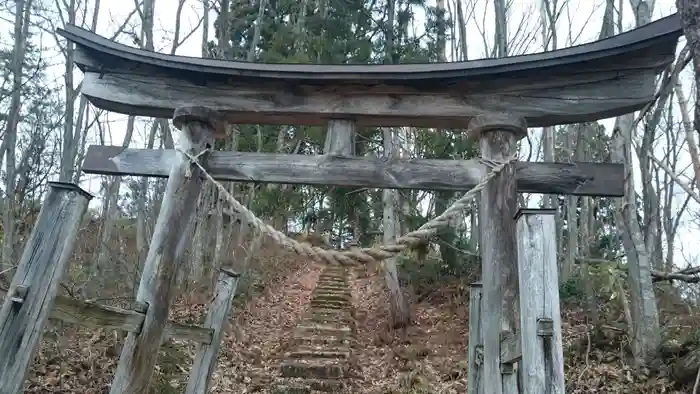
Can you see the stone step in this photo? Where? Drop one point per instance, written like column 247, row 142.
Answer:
column 331, row 278
column 318, row 353
column 331, row 297
column 338, row 326
column 318, row 369
column 349, row 312
column 331, row 288
column 323, row 330
column 339, row 270
column 330, row 313
column 311, row 341
column 333, row 283
column 325, row 304
column 333, row 300
column 304, row 386
column 332, row 274
column 325, row 291
column 329, row 319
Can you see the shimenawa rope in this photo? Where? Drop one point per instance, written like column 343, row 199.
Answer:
column 361, row 255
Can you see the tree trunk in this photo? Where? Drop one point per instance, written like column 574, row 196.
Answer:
column 399, row 310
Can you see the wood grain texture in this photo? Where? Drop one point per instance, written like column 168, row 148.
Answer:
column 475, row 352
column 93, row 315
column 609, row 95
column 340, row 138
column 497, row 207
column 30, row 301
column 542, row 361
column 165, row 256
column 217, row 317
column 589, row 179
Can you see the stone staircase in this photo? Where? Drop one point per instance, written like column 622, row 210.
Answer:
column 320, row 359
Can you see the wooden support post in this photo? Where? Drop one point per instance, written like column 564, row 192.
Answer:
column 542, row 363
column 475, row 344
column 30, row 299
column 198, row 126
column 339, row 144
column 340, row 140
column 497, row 207
column 205, row 359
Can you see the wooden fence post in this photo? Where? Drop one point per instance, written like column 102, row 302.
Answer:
column 542, row 362
column 475, row 344
column 498, row 134
column 198, row 126
column 217, row 317
column 30, row 299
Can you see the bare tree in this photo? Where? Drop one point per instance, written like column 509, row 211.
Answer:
column 642, row 298
column 21, row 29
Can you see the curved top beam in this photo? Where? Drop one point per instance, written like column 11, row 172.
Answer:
column 587, row 82
column 663, row 31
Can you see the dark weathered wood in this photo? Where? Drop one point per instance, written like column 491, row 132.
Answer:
column 30, row 300
column 475, row 344
column 584, row 83
column 580, row 102
column 540, row 319
column 94, row 315
column 205, row 358
column 589, row 179
column 510, row 349
column 643, row 43
column 165, row 256
column 497, row 207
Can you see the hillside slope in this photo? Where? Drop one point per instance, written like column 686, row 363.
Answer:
column 428, row 357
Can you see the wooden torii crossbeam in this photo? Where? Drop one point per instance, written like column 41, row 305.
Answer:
column 583, row 83
column 494, row 99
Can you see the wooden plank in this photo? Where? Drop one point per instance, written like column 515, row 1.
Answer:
column 584, row 83
column 540, row 319
column 166, row 252
column 589, row 179
column 475, row 343
column 579, row 102
column 498, row 249
column 31, row 294
column 217, row 317
column 71, row 310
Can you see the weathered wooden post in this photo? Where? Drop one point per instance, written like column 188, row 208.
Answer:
column 30, row 299
column 340, row 139
column 476, row 346
column 339, row 144
column 217, row 317
column 198, row 126
column 498, row 134
column 542, row 363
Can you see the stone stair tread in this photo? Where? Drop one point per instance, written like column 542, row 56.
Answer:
column 314, row 341
column 325, row 327
column 316, row 368
column 331, row 279
column 330, row 305
column 300, row 385
column 317, row 354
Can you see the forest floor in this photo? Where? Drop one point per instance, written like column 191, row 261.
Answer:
column 430, row 357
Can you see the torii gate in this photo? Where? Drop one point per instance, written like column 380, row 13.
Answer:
column 495, row 99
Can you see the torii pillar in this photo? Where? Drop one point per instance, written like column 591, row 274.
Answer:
column 498, row 134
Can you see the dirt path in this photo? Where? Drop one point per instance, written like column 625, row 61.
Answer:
column 260, row 333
